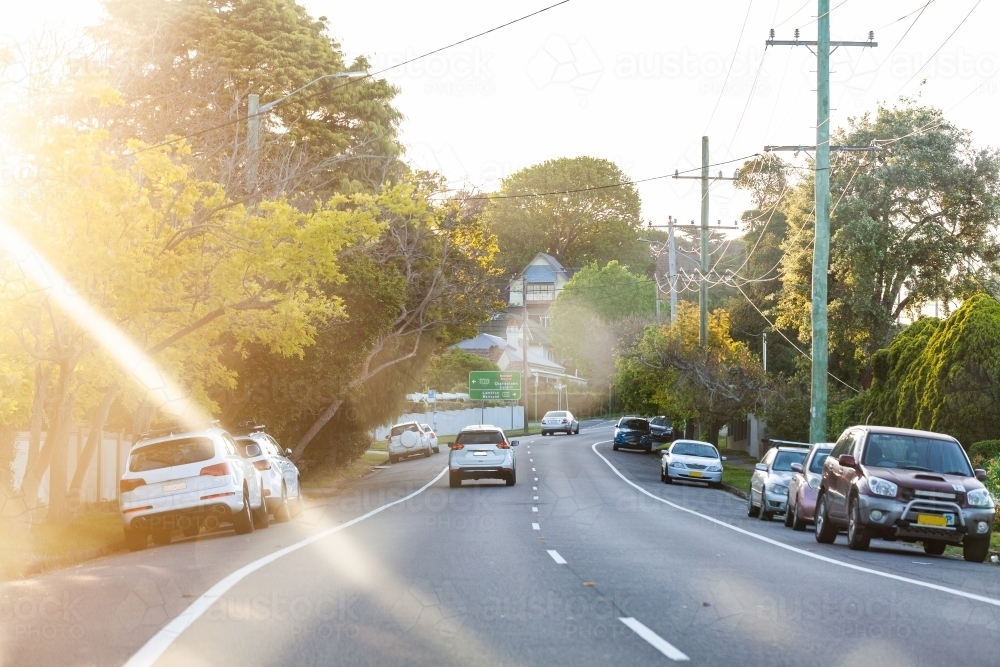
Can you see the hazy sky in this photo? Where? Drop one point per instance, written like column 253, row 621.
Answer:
column 637, row 82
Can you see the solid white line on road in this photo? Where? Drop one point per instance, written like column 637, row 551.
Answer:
column 556, row 557
column 655, row 640
column 832, row 561
column 535, row 526
column 168, row 634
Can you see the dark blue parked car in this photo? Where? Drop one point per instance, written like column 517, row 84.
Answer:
column 633, row 433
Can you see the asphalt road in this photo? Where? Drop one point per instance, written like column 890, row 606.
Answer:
column 595, row 563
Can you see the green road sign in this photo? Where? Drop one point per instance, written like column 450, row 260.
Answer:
column 494, row 385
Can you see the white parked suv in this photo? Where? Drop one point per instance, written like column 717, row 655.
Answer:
column 185, row 481
column 408, row 439
column 280, row 477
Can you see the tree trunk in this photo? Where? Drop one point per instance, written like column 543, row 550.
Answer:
column 37, row 414
column 58, row 510
column 33, row 474
column 324, row 418
column 93, row 442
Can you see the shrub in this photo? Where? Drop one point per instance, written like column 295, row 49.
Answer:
column 983, row 452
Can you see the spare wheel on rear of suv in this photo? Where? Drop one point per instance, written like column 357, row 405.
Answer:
column 408, row 439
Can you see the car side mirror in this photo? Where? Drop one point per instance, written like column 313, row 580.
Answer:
column 981, row 474
column 796, row 467
column 760, row 466
column 288, row 452
column 515, row 443
column 722, row 458
column 252, row 451
column 847, row 461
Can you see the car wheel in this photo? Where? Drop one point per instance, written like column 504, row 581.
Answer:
column 544, row 434
column 393, row 460
column 752, row 511
column 511, row 478
column 577, row 431
column 136, row 540
column 764, row 514
column 162, row 537
column 243, row 520
column 614, row 447
column 826, row 532
column 858, row 538
column 975, row 551
column 428, row 452
column 663, row 475
column 797, row 522
column 788, row 516
column 437, row 450
column 454, row 481
column 282, row 513
column 297, row 507
column 666, row 477
column 934, row 547
column 260, row 518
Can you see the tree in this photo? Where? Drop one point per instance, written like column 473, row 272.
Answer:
column 910, row 224
column 450, row 371
column 591, row 219
column 587, row 310
column 667, row 371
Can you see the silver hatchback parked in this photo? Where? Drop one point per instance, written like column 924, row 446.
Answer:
column 482, row 452
column 769, row 483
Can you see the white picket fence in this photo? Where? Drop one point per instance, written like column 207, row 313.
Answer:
column 106, row 467
column 453, row 421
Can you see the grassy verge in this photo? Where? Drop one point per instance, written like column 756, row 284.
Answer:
column 738, row 477
column 31, row 550
column 331, row 479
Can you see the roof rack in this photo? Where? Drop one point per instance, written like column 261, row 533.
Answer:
column 247, row 427
column 170, row 430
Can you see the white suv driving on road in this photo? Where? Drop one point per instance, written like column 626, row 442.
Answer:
column 482, row 452
column 186, row 480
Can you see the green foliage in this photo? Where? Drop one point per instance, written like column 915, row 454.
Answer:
column 993, row 480
column 890, row 400
column 984, row 453
column 848, row 412
column 577, row 228
column 450, row 371
column 586, row 315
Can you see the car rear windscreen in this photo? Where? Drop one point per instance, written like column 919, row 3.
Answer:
column 479, row 438
column 554, row 415
column 816, row 465
column 172, row 453
column 784, row 460
column 634, row 424
column 397, row 430
column 885, row 450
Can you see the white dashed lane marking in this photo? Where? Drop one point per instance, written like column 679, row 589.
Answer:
column 535, row 526
column 534, row 509
column 556, row 557
column 655, row 640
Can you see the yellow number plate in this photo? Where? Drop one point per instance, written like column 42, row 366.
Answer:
column 695, row 473
column 932, row 520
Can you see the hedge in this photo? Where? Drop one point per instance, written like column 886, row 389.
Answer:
column 983, row 452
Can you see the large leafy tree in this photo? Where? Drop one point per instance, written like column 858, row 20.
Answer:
column 911, row 224
column 581, row 215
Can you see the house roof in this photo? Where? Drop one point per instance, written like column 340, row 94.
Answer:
column 540, row 274
column 483, row 341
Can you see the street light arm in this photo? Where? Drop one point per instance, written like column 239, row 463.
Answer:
column 339, row 75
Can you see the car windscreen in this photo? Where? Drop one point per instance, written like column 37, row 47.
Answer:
column 784, row 460
column 426, row 427
column 694, row 449
column 634, row 424
column 816, row 465
column 172, row 453
column 554, row 415
column 888, row 450
column 479, row 438
column 243, row 443
column 396, row 430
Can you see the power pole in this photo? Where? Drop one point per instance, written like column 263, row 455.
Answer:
column 253, row 136
column 703, row 287
column 765, row 351
column 672, row 269
column 821, row 244
column 524, row 351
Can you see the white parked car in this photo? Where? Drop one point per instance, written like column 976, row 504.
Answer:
column 693, row 461
column 280, row 477
column 433, row 436
column 185, row 481
column 408, row 439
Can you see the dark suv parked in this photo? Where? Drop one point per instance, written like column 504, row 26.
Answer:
column 633, row 433
column 901, row 484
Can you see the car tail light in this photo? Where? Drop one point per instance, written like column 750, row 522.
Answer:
column 217, row 470
column 130, row 484
column 263, row 464
column 137, row 509
column 431, row 434
column 219, row 495
column 503, row 445
column 565, row 421
column 457, row 445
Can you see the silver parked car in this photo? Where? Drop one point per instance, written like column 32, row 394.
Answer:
column 280, row 477
column 769, row 484
column 408, row 439
column 692, row 460
column 482, row 452
column 187, row 480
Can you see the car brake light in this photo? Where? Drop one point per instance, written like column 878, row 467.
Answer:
column 457, row 445
column 217, row 470
column 130, row 484
column 565, row 421
column 263, row 464
column 503, row 445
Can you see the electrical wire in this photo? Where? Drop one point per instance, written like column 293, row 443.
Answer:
column 829, row 11
column 933, row 55
column 730, row 70
column 353, row 81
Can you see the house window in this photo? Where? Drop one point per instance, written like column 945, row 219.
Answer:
column 541, row 291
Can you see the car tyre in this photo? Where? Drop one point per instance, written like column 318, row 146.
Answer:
column 666, row 477
column 428, row 452
column 393, row 460
column 826, row 532
column 577, row 431
column 243, row 519
column 752, row 511
column 454, row 481
column 858, row 537
column 614, row 447
column 797, row 522
column 663, row 475
column 934, row 547
column 260, row 518
column 511, row 478
column 136, row 540
column 789, row 517
column 161, row 538
column 975, row 551
column 437, row 450
column 764, row 514
column 282, row 513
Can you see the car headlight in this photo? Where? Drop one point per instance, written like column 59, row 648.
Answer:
column 979, row 498
column 814, row 481
column 715, row 468
column 882, row 487
column 677, row 464
column 779, row 489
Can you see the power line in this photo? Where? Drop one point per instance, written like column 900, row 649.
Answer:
column 353, row 81
column 940, row 47
column 730, row 70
